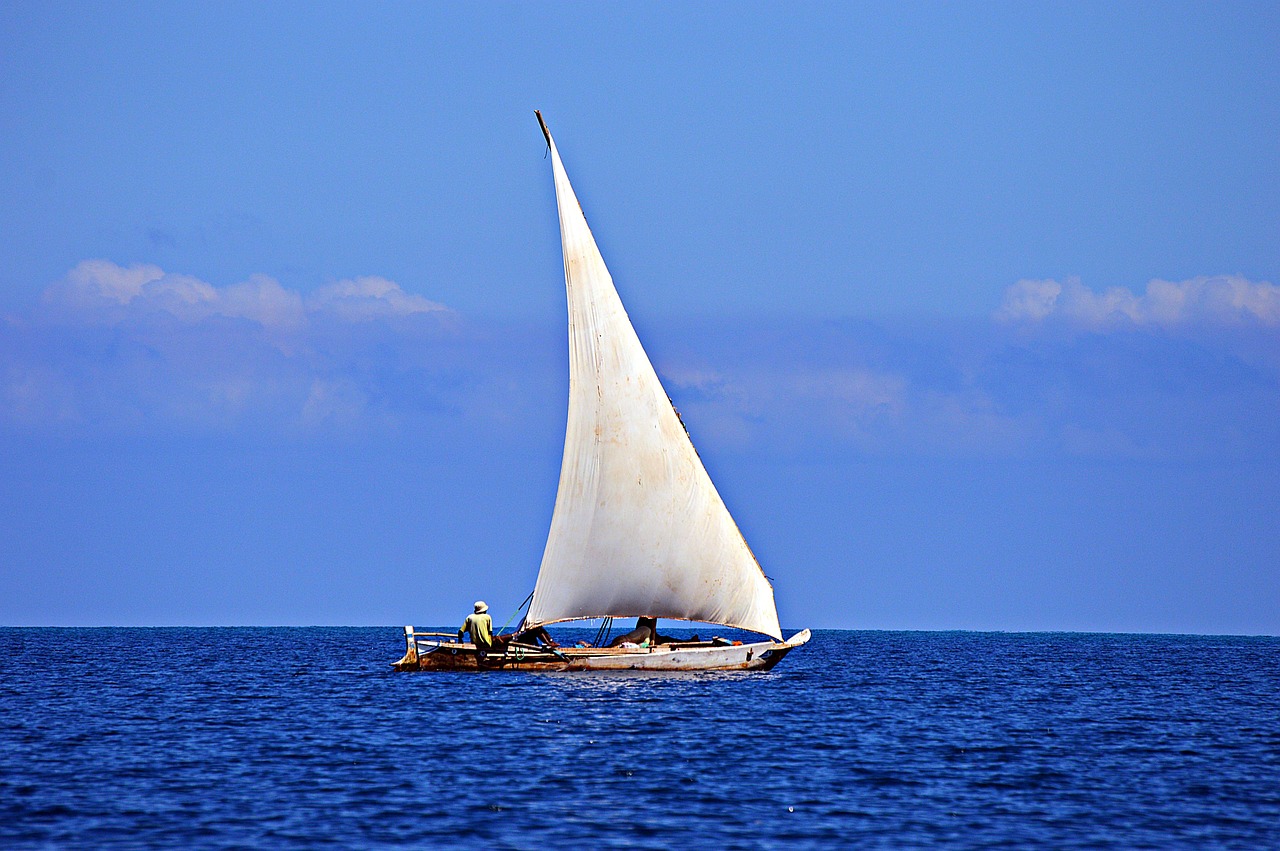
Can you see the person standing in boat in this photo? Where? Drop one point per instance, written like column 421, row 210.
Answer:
column 480, row 626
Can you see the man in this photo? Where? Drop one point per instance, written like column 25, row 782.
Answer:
column 642, row 635
column 537, row 635
column 480, row 626
column 645, row 634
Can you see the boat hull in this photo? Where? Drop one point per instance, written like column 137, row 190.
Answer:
column 452, row 656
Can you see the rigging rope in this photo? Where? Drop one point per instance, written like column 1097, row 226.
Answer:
column 516, row 612
column 606, row 628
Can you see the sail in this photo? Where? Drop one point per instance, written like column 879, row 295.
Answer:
column 638, row 527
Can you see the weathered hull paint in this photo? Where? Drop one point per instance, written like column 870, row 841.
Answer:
column 759, row 656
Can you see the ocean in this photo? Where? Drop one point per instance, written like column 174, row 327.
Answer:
column 305, row 738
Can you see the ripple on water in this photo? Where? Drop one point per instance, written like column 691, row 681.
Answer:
column 304, row 738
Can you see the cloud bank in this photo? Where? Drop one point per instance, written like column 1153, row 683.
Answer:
column 137, row 349
column 99, row 291
column 1225, row 300
column 1186, row 370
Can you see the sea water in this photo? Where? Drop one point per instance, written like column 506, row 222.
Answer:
column 305, row 738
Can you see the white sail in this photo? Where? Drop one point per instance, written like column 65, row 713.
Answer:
column 638, row 528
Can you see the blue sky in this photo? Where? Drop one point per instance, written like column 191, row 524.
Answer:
column 970, row 309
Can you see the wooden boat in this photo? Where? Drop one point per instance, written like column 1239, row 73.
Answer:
column 638, row 529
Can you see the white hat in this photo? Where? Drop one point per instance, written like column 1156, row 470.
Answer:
column 481, row 608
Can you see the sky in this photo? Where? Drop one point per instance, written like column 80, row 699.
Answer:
column 970, row 309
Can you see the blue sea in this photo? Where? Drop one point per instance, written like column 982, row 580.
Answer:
column 305, row 738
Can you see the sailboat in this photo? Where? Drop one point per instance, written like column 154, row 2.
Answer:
column 638, row 529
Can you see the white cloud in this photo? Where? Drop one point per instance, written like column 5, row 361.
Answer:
column 263, row 300
column 134, row 347
column 362, row 299
column 342, row 359
column 694, row 377
column 102, row 292
column 104, row 279
column 854, row 390
column 1029, row 301
column 1219, row 300
column 793, row 404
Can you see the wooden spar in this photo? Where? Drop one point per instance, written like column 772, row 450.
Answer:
column 545, row 132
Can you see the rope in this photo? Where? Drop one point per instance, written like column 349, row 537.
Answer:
column 606, row 628
column 516, row 612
